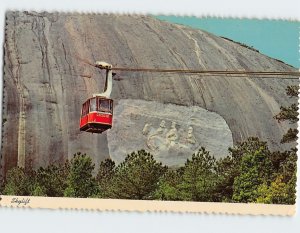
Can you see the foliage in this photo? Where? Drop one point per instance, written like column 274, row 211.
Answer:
column 19, row 182
column 104, row 177
column 283, row 188
column 137, row 177
column 38, row 191
column 196, row 181
column 199, row 177
column 290, row 136
column 168, row 187
column 249, row 173
column 52, row 180
column 278, row 192
column 278, row 158
column 80, row 181
column 288, row 167
column 255, row 169
column 290, row 114
column 228, row 168
column 250, row 145
column 292, row 91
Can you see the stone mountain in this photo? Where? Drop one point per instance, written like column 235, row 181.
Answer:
column 171, row 115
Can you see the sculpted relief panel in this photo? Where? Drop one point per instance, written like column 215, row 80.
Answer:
column 172, row 133
column 163, row 139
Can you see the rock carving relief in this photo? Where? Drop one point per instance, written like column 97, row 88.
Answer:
column 171, row 133
column 164, row 139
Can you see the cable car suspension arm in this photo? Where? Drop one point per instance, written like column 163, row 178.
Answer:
column 108, row 79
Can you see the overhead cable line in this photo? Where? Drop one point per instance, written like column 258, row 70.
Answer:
column 234, row 73
column 261, row 74
column 237, row 72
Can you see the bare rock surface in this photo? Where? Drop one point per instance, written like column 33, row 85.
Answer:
column 46, row 81
column 172, row 133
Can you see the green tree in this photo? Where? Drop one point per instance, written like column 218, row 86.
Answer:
column 285, row 163
column 255, row 170
column 290, row 114
column 38, row 191
column 278, row 158
column 229, row 168
column 291, row 190
column 288, row 167
column 137, row 177
column 250, row 145
column 290, row 136
column 199, row 177
column 52, row 179
column 168, row 187
column 80, row 181
column 19, row 182
column 292, row 91
column 277, row 193
column 104, row 177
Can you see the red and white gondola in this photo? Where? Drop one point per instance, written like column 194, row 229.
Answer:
column 97, row 112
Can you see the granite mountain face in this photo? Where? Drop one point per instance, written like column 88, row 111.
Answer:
column 46, row 81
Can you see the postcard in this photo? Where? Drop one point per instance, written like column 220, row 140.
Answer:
column 149, row 113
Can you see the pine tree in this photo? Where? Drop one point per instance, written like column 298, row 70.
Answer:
column 290, row 136
column 137, row 177
column 19, row 182
column 52, row 179
column 168, row 187
column 104, row 177
column 199, row 177
column 278, row 192
column 80, row 180
column 288, row 165
column 289, row 114
column 38, row 191
column 255, row 170
column 292, row 91
column 229, row 168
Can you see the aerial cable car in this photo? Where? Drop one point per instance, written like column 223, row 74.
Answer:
column 97, row 112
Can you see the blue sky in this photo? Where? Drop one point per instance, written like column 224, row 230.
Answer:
column 276, row 38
